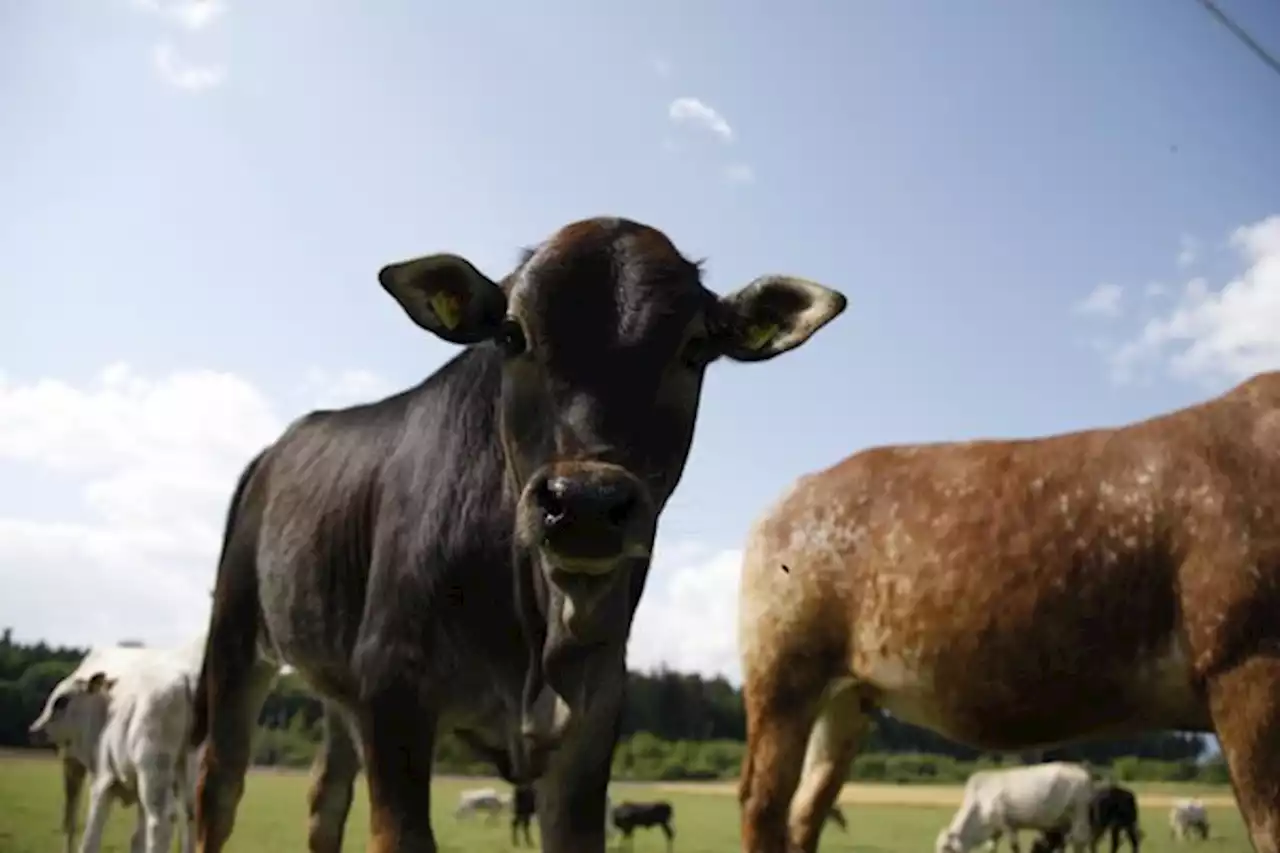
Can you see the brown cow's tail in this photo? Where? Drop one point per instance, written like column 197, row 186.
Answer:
column 235, row 605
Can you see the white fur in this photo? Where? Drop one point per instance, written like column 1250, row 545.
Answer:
column 999, row 802
column 131, row 738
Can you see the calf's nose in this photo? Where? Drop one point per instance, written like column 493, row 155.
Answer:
column 587, row 516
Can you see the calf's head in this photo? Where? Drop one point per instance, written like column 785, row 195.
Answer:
column 75, row 710
column 604, row 333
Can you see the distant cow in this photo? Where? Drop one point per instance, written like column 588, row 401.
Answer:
column 123, row 719
column 482, row 537
column 1003, row 802
column 480, row 800
column 1113, row 809
column 1014, row 594
column 628, row 817
column 1187, row 817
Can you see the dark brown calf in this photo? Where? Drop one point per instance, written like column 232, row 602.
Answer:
column 479, row 541
column 1020, row 594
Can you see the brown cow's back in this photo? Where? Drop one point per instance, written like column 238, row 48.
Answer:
column 1009, row 593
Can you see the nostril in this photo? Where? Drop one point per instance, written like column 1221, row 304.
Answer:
column 620, row 512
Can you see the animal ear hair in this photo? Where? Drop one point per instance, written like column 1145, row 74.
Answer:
column 774, row 314
column 446, row 295
column 98, row 682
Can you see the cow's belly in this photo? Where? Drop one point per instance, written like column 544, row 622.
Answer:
column 985, row 695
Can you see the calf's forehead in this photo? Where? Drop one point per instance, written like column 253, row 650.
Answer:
column 613, row 280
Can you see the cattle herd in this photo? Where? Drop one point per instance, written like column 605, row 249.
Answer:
column 469, row 553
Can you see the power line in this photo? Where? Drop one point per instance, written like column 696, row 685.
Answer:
column 1236, row 30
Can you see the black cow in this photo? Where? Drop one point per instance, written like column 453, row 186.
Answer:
column 629, row 817
column 1113, row 809
column 481, row 539
column 524, row 806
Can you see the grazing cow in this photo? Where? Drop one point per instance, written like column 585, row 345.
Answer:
column 1113, row 809
column 123, row 719
column 481, row 537
column 1000, row 802
column 1019, row 594
column 1187, row 816
column 480, row 800
column 628, row 817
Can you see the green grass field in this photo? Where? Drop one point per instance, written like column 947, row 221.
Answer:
column 272, row 817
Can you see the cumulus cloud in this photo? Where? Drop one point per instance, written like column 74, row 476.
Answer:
column 123, row 485
column 687, row 619
column 1102, row 301
column 139, row 471
column 1218, row 334
column 188, row 14
column 694, row 112
column 181, row 74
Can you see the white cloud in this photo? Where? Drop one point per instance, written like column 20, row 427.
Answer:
column 142, row 469
column 661, row 66
column 739, row 173
column 1188, row 251
column 188, row 14
column 1102, row 301
column 1222, row 334
column 183, row 75
column 688, row 617
column 695, row 112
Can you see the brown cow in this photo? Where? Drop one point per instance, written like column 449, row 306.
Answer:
column 1020, row 594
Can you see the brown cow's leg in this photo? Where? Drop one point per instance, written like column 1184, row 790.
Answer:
column 333, row 776
column 398, row 733
column 835, row 738
column 779, row 722
column 1245, row 704
column 235, row 699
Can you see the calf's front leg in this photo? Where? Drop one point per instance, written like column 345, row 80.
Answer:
column 571, row 796
column 398, row 732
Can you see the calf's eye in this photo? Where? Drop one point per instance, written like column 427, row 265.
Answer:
column 511, row 338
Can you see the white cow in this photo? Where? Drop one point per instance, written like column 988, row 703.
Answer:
column 123, row 718
column 1187, row 815
column 481, row 800
column 999, row 802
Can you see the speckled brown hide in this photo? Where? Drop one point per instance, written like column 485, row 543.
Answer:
column 1020, row 594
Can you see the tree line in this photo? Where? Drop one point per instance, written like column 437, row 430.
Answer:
column 675, row 726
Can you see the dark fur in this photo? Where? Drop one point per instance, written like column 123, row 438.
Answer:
column 629, row 817
column 524, row 807
column 1113, row 809
column 401, row 554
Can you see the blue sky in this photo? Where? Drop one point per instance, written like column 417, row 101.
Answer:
column 1014, row 197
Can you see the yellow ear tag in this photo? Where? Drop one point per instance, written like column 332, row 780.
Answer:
column 448, row 308
column 758, row 336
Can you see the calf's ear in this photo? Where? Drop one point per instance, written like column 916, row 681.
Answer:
column 447, row 296
column 98, row 681
column 773, row 314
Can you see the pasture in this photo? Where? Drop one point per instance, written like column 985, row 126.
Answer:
column 882, row 818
